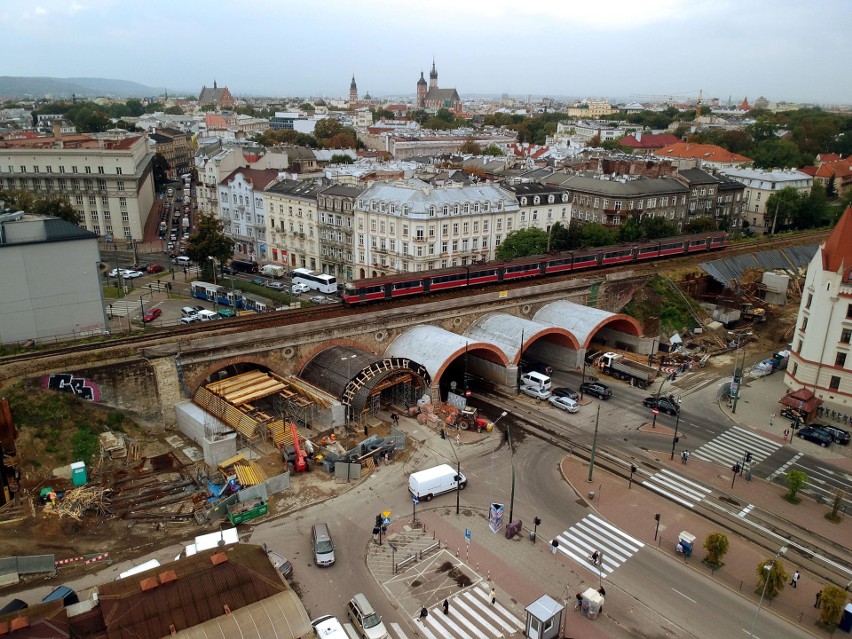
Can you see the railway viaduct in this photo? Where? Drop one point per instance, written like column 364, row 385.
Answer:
column 148, row 380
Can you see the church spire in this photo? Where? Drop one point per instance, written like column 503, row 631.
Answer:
column 433, row 76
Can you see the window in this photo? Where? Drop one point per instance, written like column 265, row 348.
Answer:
column 799, row 347
column 122, row 202
column 795, row 368
column 100, row 169
column 848, row 308
column 118, row 170
column 845, row 335
column 834, row 384
column 840, row 360
column 804, row 324
column 88, row 169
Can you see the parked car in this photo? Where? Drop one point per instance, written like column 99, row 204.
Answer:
column 565, row 403
column 277, row 286
column 298, row 289
column 228, row 270
column 116, row 272
column 189, row 311
column 596, row 389
column 141, row 266
column 367, row 622
column 538, row 367
column 156, row 268
column 131, row 275
column 151, row 315
column 534, row 391
column 563, row 391
column 329, row 627
column 189, row 319
column 839, row 435
column 259, row 281
column 816, row 435
column 668, row 405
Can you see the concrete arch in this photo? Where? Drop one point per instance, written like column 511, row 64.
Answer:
column 584, row 322
column 507, row 331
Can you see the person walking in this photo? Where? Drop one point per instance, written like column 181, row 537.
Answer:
column 395, row 419
column 446, row 606
column 772, row 419
column 423, row 614
column 795, row 579
column 786, row 434
column 818, row 601
column 493, row 596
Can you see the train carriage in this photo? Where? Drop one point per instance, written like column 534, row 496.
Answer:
column 205, row 290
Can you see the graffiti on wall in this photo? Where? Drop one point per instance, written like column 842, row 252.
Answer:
column 68, row 383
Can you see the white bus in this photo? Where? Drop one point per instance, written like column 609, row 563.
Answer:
column 315, row 281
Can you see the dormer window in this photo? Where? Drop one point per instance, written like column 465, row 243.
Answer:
column 523, row 201
column 536, row 200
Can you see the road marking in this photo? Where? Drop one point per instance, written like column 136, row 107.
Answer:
column 593, row 533
column 398, row 630
column 683, row 595
column 350, row 630
column 783, row 468
column 730, row 447
column 745, row 511
column 668, row 484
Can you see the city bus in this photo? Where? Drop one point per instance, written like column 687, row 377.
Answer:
column 315, row 281
column 244, row 266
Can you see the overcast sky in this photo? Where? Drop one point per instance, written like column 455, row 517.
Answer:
column 793, row 50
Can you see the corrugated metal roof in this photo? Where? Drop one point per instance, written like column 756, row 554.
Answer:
column 728, row 269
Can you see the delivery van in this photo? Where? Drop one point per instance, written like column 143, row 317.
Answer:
column 273, row 270
column 425, row 484
column 536, row 380
column 207, row 316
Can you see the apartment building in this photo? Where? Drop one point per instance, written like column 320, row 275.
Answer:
column 293, row 222
column 408, row 226
column 541, row 206
column 107, row 178
column 175, row 147
column 335, row 206
column 760, row 184
column 821, row 359
column 242, row 209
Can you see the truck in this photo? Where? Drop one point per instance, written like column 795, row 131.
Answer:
column 425, row 484
column 618, row 366
column 273, row 270
column 242, row 512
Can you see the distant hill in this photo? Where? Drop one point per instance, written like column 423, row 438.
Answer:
column 28, row 87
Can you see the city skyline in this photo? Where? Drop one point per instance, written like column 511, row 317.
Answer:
column 785, row 51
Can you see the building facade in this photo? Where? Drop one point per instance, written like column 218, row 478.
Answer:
column 335, row 206
column 821, row 358
column 541, row 206
column 106, row 178
column 243, row 210
column 409, row 226
column 175, row 147
column 292, row 223
column 759, row 186
column 434, row 98
column 216, row 97
column 51, row 286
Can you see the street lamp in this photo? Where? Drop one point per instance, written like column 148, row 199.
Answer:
column 736, row 379
column 215, row 283
column 677, row 423
column 767, row 567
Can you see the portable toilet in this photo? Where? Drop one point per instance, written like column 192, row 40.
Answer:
column 78, row 473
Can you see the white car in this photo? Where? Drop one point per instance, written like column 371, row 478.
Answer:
column 536, row 392
column 565, row 403
column 329, row 627
column 131, row 275
column 368, row 624
column 298, row 289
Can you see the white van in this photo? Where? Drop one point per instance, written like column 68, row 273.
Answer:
column 425, row 484
column 536, row 380
column 207, row 316
column 182, row 260
column 273, row 270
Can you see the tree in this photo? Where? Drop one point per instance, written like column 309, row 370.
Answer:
column 565, row 238
column 327, row 128
column 630, row 230
column 470, row 147
column 445, row 115
column 657, row 227
column 796, row 480
column 594, row 234
column 160, row 167
column 771, row 154
column 340, row 141
column 209, row 240
column 831, row 607
column 531, row 241
column 701, row 225
column 839, row 496
column 492, row 149
column 716, row 546
column 420, row 116
column 782, row 207
column 831, row 188
column 307, row 106
column 341, row 158
column 812, row 210
column 208, row 107
column 174, row 110
column 774, row 578
column 52, row 206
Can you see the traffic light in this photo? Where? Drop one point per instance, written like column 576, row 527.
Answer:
column 378, row 521
column 736, row 468
column 657, row 517
column 748, row 458
column 632, row 469
column 537, row 521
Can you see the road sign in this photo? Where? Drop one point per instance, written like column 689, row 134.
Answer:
column 386, row 521
column 467, row 535
column 415, row 500
column 656, row 411
column 386, row 514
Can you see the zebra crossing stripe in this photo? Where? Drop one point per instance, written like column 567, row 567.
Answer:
column 441, row 623
column 459, row 605
column 745, row 511
column 398, row 630
column 495, row 612
column 728, row 448
column 592, row 533
column 668, row 484
column 783, row 468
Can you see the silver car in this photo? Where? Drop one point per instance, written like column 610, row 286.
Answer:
column 565, row 403
column 536, row 392
column 368, row 624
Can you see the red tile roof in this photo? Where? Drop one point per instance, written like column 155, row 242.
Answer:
column 215, row 121
column 706, row 152
column 838, row 168
column 809, row 170
column 828, row 157
column 837, row 250
column 648, row 141
column 259, row 178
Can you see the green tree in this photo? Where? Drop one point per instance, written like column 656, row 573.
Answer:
column 208, row 107
column 492, row 149
column 438, row 124
column 716, row 546
column 831, row 188
column 531, row 241
column 327, row 128
column 57, row 207
column 445, row 115
column 657, row 227
column 174, row 110
column 774, row 577
column 209, row 240
column 776, row 153
column 160, row 167
column 598, row 235
column 470, row 147
column 796, row 480
column 701, row 225
column 307, row 106
column 812, row 211
column 630, row 230
column 832, row 603
column 783, row 207
column 341, row 158
column 565, row 238
column 420, row 116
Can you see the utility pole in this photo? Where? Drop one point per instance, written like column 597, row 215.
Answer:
column 594, row 446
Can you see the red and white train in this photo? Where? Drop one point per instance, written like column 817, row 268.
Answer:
column 425, row 282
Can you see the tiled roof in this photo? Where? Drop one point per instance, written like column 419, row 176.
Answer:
column 837, row 250
column 697, row 176
column 649, row 141
column 838, row 168
column 259, row 178
column 706, row 152
column 828, row 157
column 215, row 121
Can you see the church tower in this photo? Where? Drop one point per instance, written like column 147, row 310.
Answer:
column 433, row 76
column 421, row 92
column 353, row 90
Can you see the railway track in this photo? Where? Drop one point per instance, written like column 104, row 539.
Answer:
column 154, row 336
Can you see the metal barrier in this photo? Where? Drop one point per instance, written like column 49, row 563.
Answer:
column 405, row 562
column 430, row 548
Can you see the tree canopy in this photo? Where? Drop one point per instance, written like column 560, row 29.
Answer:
column 209, row 240
column 52, row 206
column 521, row 243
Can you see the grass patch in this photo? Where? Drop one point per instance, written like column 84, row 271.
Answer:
column 834, row 519
column 793, row 499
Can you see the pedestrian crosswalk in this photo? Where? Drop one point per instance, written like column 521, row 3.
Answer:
column 730, row 447
column 592, row 534
column 677, row 488
column 124, row 308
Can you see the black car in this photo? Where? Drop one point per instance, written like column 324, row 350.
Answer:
column 228, row 270
column 538, row 367
column 596, row 389
column 667, row 405
column 562, row 391
column 839, row 435
column 816, row 435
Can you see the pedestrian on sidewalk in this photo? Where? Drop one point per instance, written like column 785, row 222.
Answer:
column 772, row 419
column 684, row 456
column 493, row 596
column 395, row 419
column 786, row 434
column 818, row 601
column 423, row 614
column 795, row 579
column 446, row 606
column 458, row 439
column 365, row 430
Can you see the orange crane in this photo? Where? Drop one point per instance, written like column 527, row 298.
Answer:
column 300, row 460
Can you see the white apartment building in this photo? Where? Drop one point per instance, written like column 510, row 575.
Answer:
column 107, row 178
column 584, row 130
column 243, row 210
column 292, row 223
column 408, row 226
column 821, row 358
column 760, row 185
